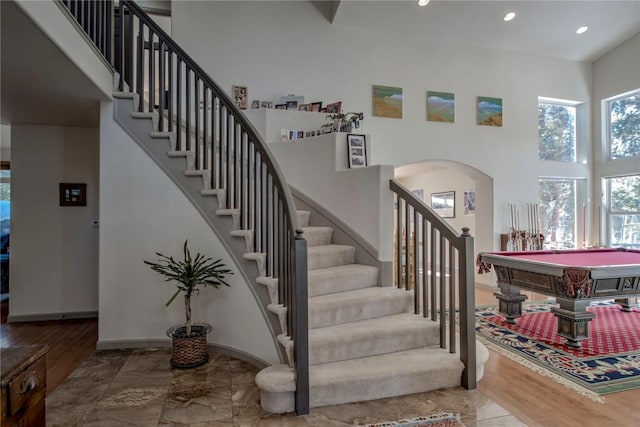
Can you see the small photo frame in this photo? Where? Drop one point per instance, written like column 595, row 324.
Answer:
column 304, row 107
column 240, row 96
column 266, row 104
column 73, row 194
column 281, row 106
column 316, row 106
column 357, row 150
column 255, row 103
column 335, row 107
column 444, row 204
column 292, row 105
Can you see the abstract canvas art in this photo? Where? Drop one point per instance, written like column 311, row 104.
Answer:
column 440, row 107
column 489, row 111
column 387, row 101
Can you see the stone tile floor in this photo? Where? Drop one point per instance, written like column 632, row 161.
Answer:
column 138, row 388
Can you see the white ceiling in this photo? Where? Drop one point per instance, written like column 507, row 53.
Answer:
column 542, row 27
column 40, row 85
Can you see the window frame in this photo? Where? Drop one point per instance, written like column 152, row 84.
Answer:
column 580, row 231
column 606, row 204
column 606, row 125
column 579, row 149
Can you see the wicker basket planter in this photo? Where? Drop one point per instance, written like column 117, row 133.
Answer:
column 189, row 352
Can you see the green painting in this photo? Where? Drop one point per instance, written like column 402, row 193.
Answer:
column 387, row 101
column 441, row 107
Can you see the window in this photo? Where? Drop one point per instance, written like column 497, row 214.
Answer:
column 623, row 210
column 623, row 125
column 558, row 205
column 556, row 130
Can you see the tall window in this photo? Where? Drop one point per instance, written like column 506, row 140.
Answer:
column 623, row 126
column 623, row 210
column 556, row 131
column 562, row 219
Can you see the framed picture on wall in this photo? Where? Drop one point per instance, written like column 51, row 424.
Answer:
column 240, row 96
column 444, row 204
column 356, row 150
column 73, row 194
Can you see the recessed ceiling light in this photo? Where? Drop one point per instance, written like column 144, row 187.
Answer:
column 423, row 2
column 582, row 29
column 509, row 16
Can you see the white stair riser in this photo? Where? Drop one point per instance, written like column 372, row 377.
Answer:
column 350, row 311
column 344, row 278
column 317, row 236
column 329, row 256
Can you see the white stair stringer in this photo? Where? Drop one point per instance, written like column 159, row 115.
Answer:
column 247, row 235
column 204, row 173
column 146, row 115
column 234, row 214
column 170, row 136
column 272, row 287
column 189, row 156
column 220, row 193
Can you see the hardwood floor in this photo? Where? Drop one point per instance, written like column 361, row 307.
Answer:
column 70, row 342
column 534, row 399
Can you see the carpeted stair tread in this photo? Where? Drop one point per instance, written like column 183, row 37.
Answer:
column 329, row 256
column 368, row 378
column 359, row 304
column 317, row 236
column 371, row 337
column 341, row 278
column 303, row 218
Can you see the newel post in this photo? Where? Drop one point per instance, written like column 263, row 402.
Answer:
column 301, row 327
column 467, row 310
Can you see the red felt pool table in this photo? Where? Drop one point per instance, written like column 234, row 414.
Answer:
column 573, row 277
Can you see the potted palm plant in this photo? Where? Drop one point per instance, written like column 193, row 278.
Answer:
column 189, row 341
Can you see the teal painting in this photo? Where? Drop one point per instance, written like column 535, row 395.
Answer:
column 489, row 111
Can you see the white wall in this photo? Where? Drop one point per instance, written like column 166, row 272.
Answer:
column 278, row 48
column 54, row 249
column 440, row 181
column 143, row 212
column 615, row 73
column 318, row 167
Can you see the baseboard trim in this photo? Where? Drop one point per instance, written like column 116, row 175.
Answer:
column 222, row 349
column 52, row 316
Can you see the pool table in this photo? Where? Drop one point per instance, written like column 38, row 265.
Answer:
column 573, row 277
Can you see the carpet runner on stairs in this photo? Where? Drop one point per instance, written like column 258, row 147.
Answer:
column 364, row 341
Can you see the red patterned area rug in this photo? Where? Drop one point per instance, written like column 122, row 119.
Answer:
column 438, row 420
column 608, row 362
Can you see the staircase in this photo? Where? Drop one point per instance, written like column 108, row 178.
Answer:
column 364, row 340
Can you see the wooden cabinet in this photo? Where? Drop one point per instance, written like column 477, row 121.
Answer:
column 24, row 386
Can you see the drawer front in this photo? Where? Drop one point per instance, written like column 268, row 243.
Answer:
column 27, row 393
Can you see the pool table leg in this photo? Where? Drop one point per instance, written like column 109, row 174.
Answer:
column 573, row 320
column 510, row 302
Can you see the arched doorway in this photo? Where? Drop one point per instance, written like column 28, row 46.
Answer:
column 443, row 176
